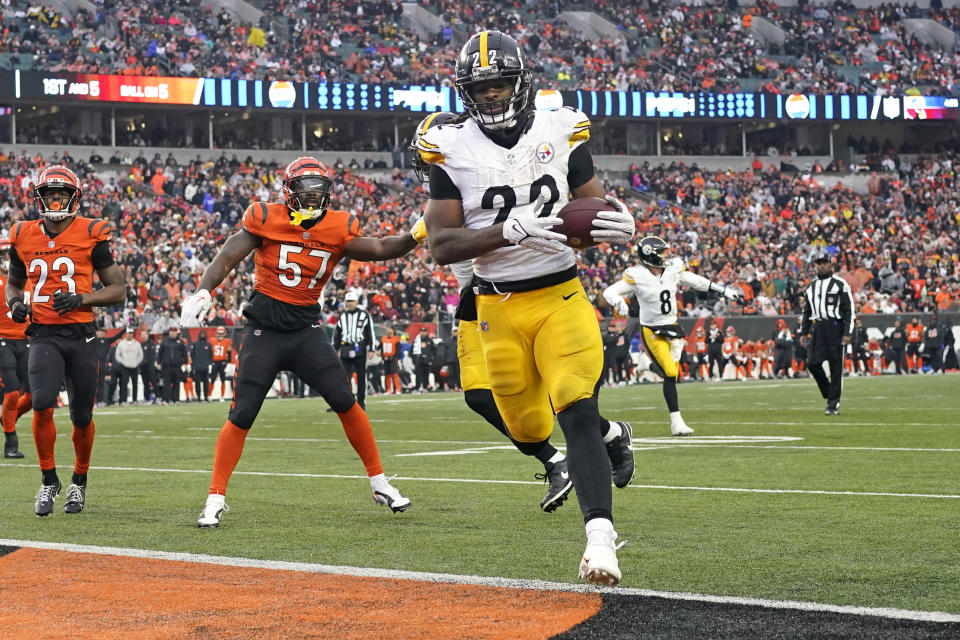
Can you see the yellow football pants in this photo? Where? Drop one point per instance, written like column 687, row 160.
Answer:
column 473, row 368
column 542, row 348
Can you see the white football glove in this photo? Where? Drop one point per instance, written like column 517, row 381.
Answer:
column 194, row 308
column 616, row 227
column 733, row 293
column 622, row 308
column 534, row 233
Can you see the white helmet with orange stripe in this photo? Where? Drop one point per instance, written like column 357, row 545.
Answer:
column 57, row 194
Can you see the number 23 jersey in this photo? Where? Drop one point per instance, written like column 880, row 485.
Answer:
column 64, row 262
column 497, row 183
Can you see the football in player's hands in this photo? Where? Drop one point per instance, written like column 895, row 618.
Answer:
column 578, row 216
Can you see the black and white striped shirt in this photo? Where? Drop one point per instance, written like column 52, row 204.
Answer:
column 354, row 328
column 829, row 298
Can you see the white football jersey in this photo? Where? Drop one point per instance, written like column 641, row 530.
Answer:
column 497, row 183
column 463, row 272
column 657, row 295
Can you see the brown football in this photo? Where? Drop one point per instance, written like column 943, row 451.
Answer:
column 578, row 216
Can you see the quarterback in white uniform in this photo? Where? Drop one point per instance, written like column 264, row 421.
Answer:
column 474, row 378
column 497, row 180
column 654, row 283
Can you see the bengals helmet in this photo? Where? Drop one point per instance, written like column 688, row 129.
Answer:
column 57, row 193
column 493, row 56
column 420, row 167
column 653, row 251
column 307, row 185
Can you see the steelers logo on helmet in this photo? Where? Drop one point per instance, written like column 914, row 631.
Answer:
column 491, row 64
column 653, row 251
column 57, row 193
column 420, row 166
column 307, row 185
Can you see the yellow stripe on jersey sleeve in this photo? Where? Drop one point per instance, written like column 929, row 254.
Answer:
column 427, row 145
column 629, row 279
column 580, row 136
column 431, row 157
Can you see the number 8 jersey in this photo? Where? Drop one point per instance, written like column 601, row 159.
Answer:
column 496, row 183
column 64, row 262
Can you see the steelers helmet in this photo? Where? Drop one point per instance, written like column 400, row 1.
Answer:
column 493, row 56
column 420, row 166
column 653, row 251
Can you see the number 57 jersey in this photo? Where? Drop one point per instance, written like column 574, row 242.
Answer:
column 497, row 183
column 293, row 262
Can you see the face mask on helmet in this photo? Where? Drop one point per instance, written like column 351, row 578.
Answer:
column 492, row 80
column 309, row 196
column 56, row 200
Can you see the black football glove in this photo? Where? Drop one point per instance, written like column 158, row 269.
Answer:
column 64, row 302
column 18, row 310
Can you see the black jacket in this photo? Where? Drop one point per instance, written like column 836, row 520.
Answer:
column 202, row 355
column 172, row 353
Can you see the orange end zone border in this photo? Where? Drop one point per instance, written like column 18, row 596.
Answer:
column 59, row 594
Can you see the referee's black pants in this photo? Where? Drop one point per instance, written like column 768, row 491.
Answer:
column 827, row 346
column 358, row 366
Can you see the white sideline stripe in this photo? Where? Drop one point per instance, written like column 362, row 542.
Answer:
column 503, row 583
column 335, row 476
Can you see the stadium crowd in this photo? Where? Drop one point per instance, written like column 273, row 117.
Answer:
column 897, row 245
column 701, row 45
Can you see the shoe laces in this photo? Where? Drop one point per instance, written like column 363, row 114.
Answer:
column 47, row 492
column 75, row 493
column 542, row 476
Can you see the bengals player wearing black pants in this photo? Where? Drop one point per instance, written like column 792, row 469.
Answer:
column 14, row 351
column 56, row 257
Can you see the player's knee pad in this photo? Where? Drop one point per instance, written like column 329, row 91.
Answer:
column 529, row 424
column 80, row 416
column 44, row 398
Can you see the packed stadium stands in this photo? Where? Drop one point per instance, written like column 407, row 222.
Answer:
column 815, row 48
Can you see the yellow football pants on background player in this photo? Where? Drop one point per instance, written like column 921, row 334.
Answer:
column 659, row 349
column 540, row 347
column 473, row 368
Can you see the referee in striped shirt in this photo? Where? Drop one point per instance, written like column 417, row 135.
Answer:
column 352, row 337
column 827, row 324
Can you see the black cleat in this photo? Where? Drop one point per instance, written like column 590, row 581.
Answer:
column 558, row 476
column 11, row 448
column 620, row 450
column 76, row 498
column 45, row 498
column 833, row 409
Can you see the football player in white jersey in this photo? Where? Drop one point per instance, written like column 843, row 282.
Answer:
column 495, row 180
column 474, row 378
column 654, row 283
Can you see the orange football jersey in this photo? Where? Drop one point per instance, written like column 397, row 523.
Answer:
column 293, row 263
column 9, row 330
column 61, row 263
column 220, row 348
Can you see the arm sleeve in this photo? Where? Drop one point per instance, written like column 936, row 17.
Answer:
column 101, row 256
column 17, row 268
column 579, row 167
column 616, row 291
column 846, row 308
column 441, row 186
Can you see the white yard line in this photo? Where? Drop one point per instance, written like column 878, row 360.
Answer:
column 503, row 583
column 661, row 487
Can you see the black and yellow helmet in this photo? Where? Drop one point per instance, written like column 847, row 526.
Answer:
column 493, row 56
column 420, row 167
column 653, row 251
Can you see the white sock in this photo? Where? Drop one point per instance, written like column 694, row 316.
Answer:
column 675, row 416
column 378, row 480
column 557, row 457
column 215, row 499
column 599, row 525
column 615, row 432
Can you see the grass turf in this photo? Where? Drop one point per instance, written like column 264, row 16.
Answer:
column 475, row 502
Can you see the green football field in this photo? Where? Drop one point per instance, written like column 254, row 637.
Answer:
column 770, row 498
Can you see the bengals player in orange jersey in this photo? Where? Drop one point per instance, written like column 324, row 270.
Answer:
column 296, row 245
column 222, row 348
column 13, row 366
column 55, row 258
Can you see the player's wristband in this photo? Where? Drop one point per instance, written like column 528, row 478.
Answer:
column 11, row 302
